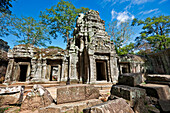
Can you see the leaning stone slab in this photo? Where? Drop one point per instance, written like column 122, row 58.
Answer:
column 73, row 93
column 11, row 95
column 114, row 106
column 157, row 91
column 129, row 93
column 74, row 107
column 130, row 79
column 39, row 97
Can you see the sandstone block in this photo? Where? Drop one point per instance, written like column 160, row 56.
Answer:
column 11, row 95
column 114, row 106
column 158, row 79
column 165, row 105
column 157, row 91
column 91, row 92
column 37, row 98
column 129, row 93
column 74, row 107
column 73, row 93
column 130, row 79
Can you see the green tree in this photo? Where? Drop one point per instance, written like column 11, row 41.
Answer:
column 61, row 18
column 5, row 24
column 155, row 33
column 30, row 31
column 120, row 35
column 127, row 49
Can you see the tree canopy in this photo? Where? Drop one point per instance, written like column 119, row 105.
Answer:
column 5, row 24
column 120, row 35
column 5, row 5
column 30, row 31
column 61, row 18
column 155, row 34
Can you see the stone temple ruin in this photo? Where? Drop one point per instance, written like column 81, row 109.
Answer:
column 128, row 83
column 90, row 57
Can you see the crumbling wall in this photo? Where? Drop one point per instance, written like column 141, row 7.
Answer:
column 3, row 59
column 159, row 63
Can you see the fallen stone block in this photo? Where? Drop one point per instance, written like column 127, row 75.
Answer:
column 73, row 93
column 130, row 79
column 114, row 106
column 74, row 107
column 37, row 98
column 157, row 91
column 11, row 95
column 129, row 93
column 158, row 79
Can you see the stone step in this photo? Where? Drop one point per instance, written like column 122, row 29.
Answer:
column 73, row 107
column 156, row 90
column 103, row 87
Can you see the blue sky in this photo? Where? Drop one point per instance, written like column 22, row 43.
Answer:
column 109, row 10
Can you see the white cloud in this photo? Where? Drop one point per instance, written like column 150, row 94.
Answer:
column 131, row 2
column 149, row 11
column 122, row 16
column 162, row 1
column 138, row 2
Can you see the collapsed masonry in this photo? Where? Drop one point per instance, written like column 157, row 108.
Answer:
column 90, row 57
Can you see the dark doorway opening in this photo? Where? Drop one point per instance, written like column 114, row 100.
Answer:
column 124, row 70
column 23, row 73
column 101, row 70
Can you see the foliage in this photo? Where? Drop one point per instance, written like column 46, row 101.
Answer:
column 30, row 31
column 120, row 35
column 127, row 49
column 52, row 47
column 61, row 18
column 155, row 34
column 5, row 24
column 5, row 5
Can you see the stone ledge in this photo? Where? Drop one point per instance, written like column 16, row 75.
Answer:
column 74, row 107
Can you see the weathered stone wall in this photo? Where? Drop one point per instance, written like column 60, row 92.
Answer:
column 4, row 45
column 3, row 59
column 159, row 63
column 131, row 64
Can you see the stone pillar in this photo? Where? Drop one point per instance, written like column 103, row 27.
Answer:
column 92, row 66
column 28, row 72
column 9, row 71
column 72, row 67
column 44, row 67
column 114, row 69
column 34, row 66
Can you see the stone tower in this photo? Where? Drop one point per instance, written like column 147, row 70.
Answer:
column 92, row 54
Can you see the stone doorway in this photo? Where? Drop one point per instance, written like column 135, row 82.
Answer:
column 101, row 70
column 124, row 70
column 23, row 73
column 54, row 73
